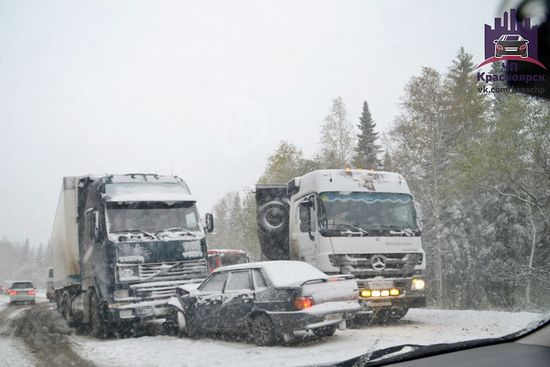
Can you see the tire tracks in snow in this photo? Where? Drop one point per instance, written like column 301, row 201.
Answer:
column 44, row 334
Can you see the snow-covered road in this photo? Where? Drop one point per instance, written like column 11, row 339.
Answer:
column 420, row 326
column 12, row 350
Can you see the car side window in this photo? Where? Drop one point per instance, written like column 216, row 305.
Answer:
column 214, row 283
column 259, row 281
column 238, row 280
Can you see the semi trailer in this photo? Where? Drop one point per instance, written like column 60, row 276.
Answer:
column 349, row 221
column 121, row 244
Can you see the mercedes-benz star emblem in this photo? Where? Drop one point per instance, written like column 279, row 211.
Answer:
column 378, row 262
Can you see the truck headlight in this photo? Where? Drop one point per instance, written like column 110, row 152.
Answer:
column 127, row 273
column 418, row 284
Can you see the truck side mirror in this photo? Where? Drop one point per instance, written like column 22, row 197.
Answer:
column 96, row 234
column 209, row 219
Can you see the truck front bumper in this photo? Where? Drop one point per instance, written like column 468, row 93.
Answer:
column 377, row 288
column 139, row 311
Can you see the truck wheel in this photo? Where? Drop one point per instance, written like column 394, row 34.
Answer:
column 273, row 216
column 263, row 331
column 97, row 324
column 398, row 313
column 67, row 311
column 59, row 304
column 324, row 331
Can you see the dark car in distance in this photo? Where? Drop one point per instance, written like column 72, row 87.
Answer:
column 267, row 300
column 511, row 45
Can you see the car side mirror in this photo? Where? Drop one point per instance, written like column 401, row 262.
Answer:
column 209, row 219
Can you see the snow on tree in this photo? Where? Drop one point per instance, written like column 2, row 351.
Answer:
column 337, row 140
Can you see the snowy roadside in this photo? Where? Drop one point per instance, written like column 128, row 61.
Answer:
column 421, row 326
column 12, row 351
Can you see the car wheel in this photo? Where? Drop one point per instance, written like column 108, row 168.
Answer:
column 263, row 330
column 324, row 331
column 192, row 328
column 97, row 324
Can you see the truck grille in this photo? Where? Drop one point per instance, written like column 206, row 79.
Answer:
column 370, row 265
column 160, row 280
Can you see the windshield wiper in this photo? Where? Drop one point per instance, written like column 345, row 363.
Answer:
column 403, row 231
column 397, row 230
column 361, row 230
column 176, row 229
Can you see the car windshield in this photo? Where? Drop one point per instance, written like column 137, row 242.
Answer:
column 151, row 217
column 22, row 285
column 368, row 211
column 397, row 153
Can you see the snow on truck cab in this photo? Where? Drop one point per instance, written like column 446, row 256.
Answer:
column 349, row 222
column 121, row 244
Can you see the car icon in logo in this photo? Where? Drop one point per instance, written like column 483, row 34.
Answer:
column 511, row 45
column 378, row 262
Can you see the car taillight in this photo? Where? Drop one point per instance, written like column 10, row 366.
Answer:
column 523, row 47
column 11, row 292
column 499, row 47
column 32, row 292
column 303, row 302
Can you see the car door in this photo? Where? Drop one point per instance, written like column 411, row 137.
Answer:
column 238, row 300
column 305, row 235
column 209, row 300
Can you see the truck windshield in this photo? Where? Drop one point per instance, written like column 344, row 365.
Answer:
column 366, row 211
column 151, row 216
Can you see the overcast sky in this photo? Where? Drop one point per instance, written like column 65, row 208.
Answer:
column 202, row 89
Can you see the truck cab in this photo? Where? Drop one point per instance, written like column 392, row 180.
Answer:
column 122, row 245
column 348, row 221
column 224, row 257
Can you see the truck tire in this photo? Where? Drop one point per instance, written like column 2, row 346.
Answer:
column 97, row 323
column 273, row 216
column 398, row 313
column 263, row 331
column 324, row 331
column 67, row 311
column 59, row 304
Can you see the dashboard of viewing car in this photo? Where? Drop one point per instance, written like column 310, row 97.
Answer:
column 500, row 355
column 531, row 350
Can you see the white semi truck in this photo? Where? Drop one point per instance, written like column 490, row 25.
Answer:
column 121, row 244
column 349, row 221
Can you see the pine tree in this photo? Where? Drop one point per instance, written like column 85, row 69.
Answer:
column 366, row 151
column 388, row 164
